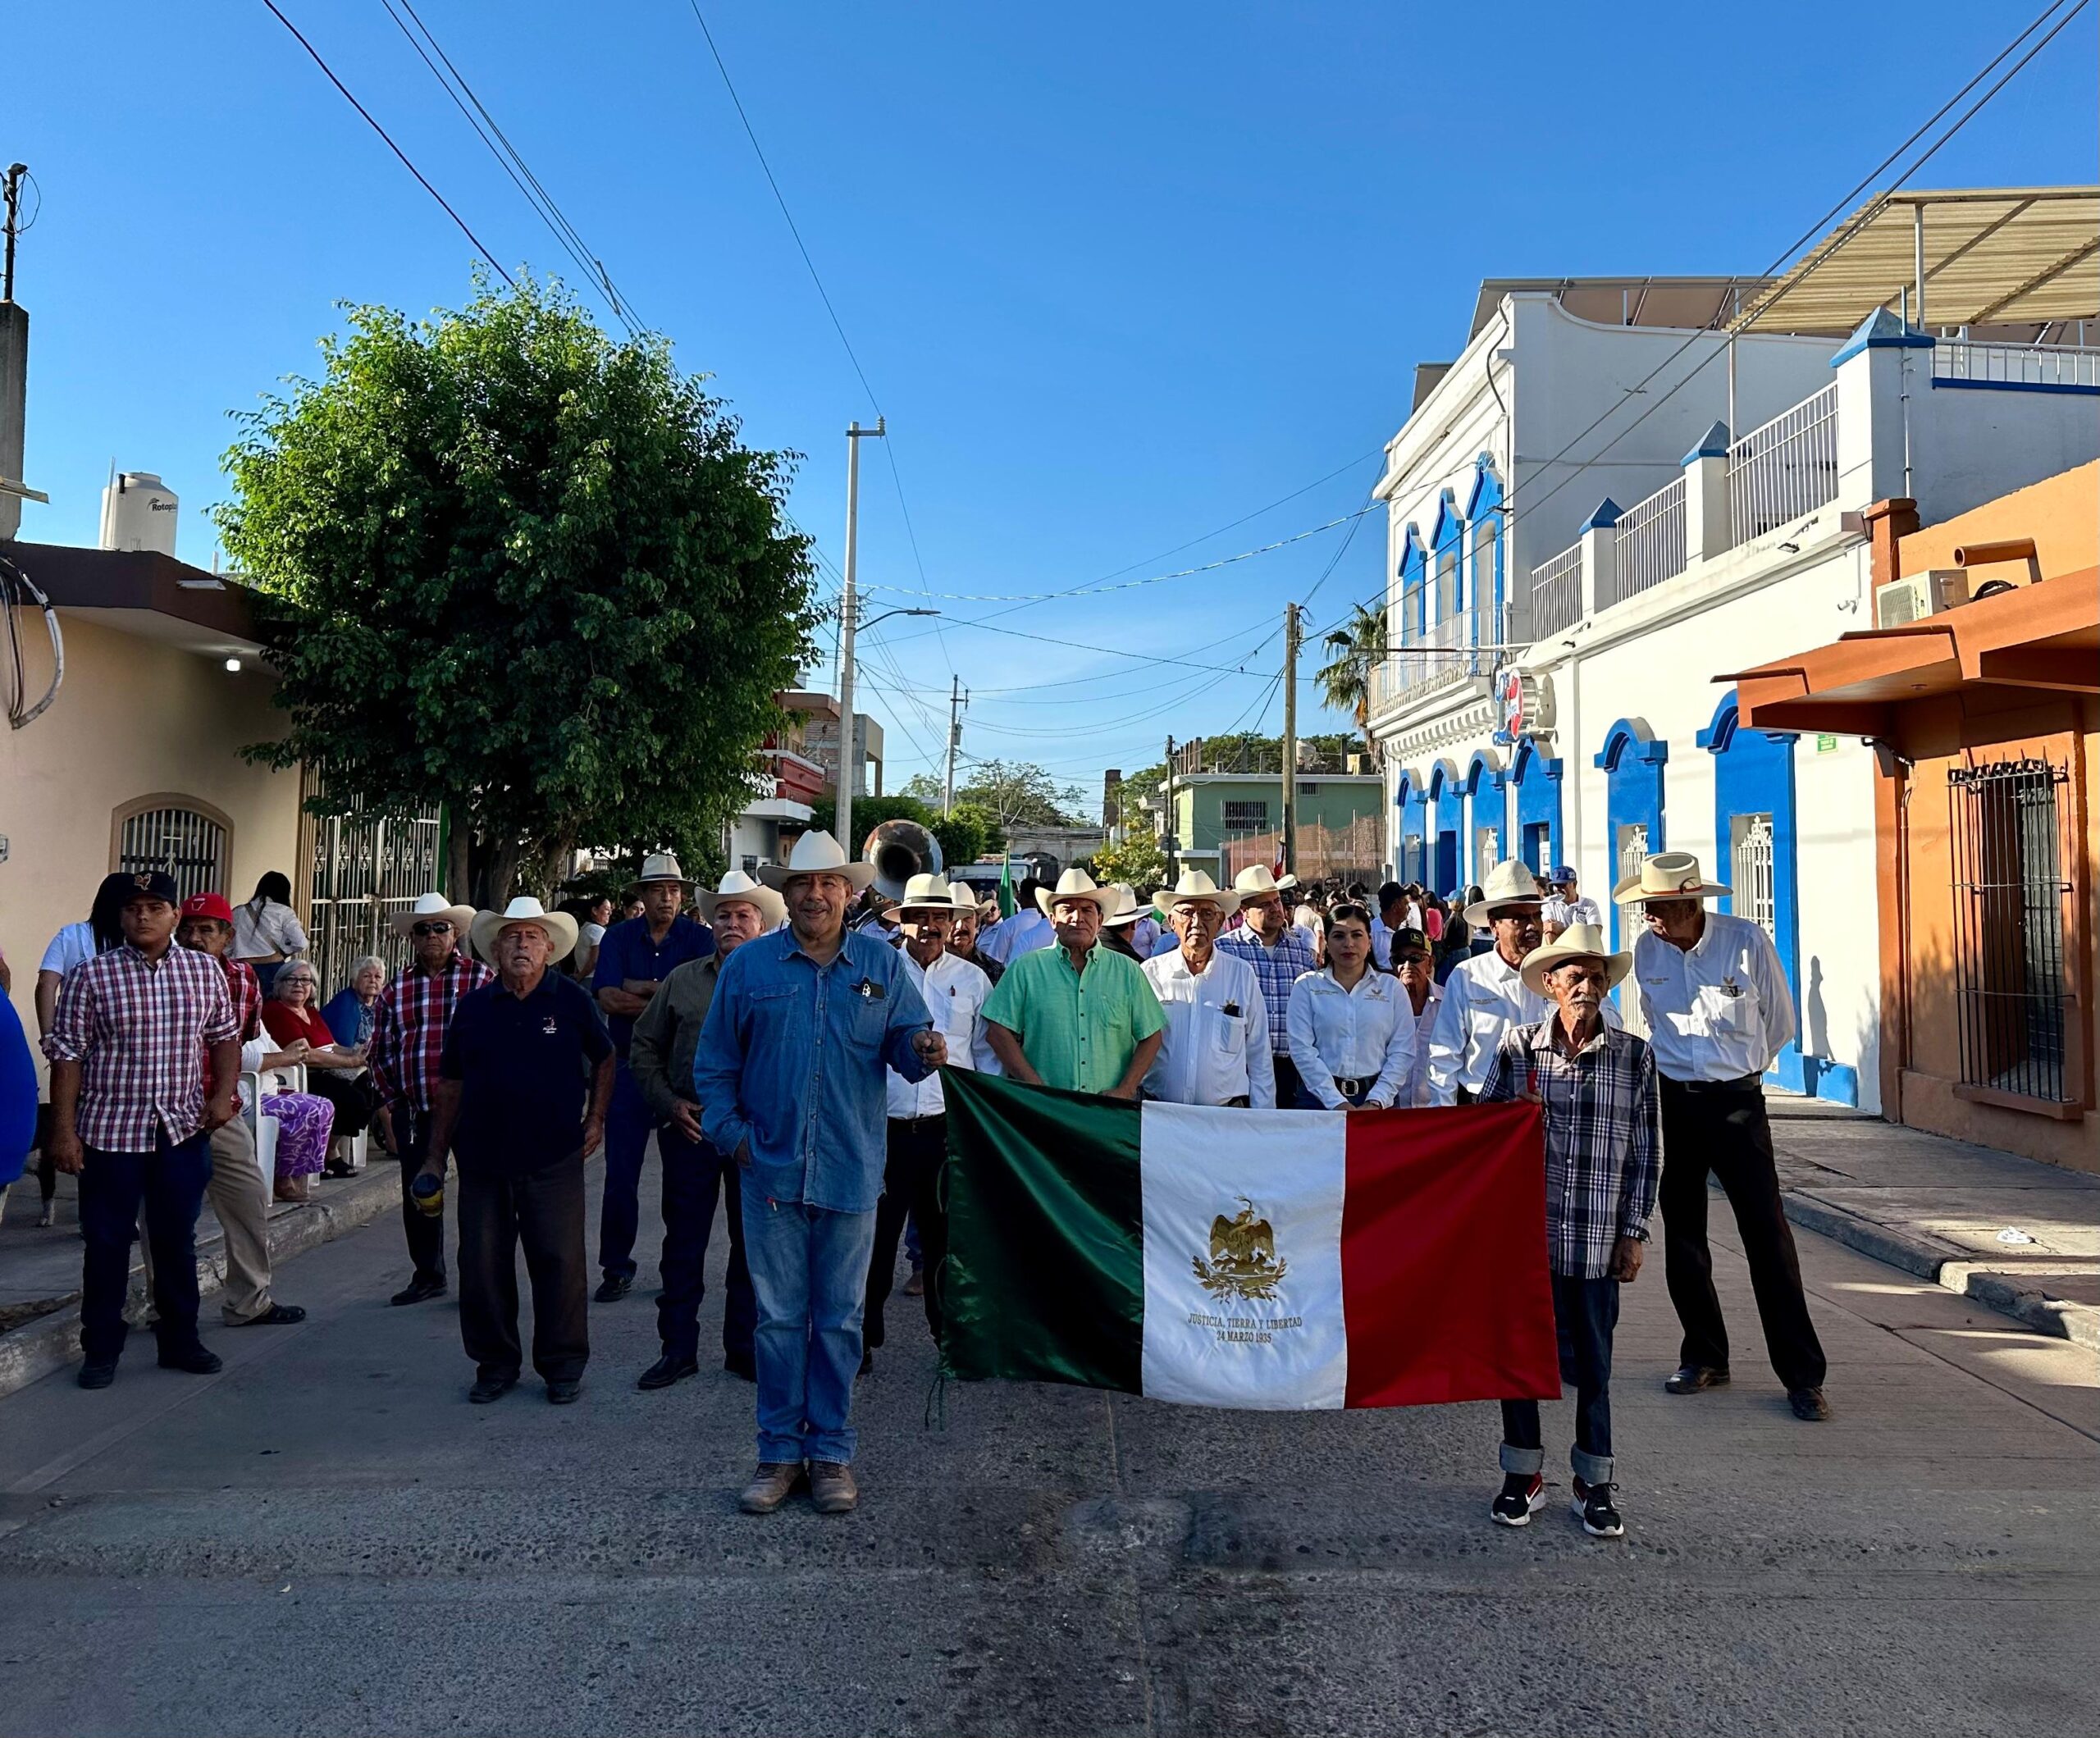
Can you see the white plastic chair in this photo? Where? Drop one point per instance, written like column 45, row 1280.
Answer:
column 263, row 1128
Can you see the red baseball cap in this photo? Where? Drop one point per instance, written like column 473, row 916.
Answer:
column 208, row 905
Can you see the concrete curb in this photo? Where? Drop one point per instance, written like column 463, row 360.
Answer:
column 49, row 1343
column 1950, row 1266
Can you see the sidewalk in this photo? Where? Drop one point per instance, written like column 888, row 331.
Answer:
column 1936, row 1208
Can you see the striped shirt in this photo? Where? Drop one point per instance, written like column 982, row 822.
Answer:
column 1278, row 968
column 137, row 1027
column 1603, row 1136
column 408, row 1030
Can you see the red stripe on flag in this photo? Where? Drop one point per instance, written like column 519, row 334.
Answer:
column 1445, row 1286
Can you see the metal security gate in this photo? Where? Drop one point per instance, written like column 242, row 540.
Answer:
column 1633, row 849
column 363, row 869
column 182, row 842
column 1751, row 872
column 2009, row 889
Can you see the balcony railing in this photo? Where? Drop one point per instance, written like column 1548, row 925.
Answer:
column 1557, row 592
column 1959, row 361
column 1649, row 545
column 1785, row 469
column 1460, row 646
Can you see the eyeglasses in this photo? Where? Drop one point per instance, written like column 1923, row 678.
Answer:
column 430, row 929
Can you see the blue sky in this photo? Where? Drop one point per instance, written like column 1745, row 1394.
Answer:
column 1118, row 275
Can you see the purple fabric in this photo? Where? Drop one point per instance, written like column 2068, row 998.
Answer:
column 304, row 1124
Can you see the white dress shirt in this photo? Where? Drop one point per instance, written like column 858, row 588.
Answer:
column 1568, row 912
column 1483, row 998
column 1416, row 1092
column 1216, row 1047
column 1719, row 1010
column 1011, row 936
column 955, row 992
column 1366, row 1033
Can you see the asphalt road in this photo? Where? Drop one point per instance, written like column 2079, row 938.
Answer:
column 327, row 1539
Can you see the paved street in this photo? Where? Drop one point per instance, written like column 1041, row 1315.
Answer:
column 325, row 1537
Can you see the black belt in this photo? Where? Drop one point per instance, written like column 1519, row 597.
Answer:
column 1743, row 1083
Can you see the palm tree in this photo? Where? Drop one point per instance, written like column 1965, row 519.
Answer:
column 1345, row 679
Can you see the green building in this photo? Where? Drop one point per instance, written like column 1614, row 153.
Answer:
column 1225, row 822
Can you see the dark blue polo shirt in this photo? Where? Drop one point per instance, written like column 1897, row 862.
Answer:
column 628, row 952
column 524, row 1066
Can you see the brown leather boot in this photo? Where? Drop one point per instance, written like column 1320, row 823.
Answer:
column 770, row 1486
column 831, row 1488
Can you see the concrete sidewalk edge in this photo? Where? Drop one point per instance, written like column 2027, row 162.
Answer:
column 49, row 1343
column 1948, row 1266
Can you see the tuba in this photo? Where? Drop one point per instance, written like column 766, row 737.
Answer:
column 899, row 850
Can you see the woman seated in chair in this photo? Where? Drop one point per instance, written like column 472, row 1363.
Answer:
column 335, row 1072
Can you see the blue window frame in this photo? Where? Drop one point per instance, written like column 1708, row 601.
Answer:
column 1535, row 777
column 1632, row 760
column 1447, row 797
column 1485, row 783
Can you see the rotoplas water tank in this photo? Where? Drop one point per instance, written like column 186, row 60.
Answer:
column 138, row 512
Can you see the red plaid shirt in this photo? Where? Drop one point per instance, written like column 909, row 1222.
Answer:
column 408, row 1030
column 136, row 1026
column 245, row 989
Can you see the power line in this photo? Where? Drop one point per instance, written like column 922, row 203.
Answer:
column 1107, row 651
column 405, row 164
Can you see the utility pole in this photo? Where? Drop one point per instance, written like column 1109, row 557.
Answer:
column 1172, row 841
column 14, row 370
column 958, row 698
column 1290, row 614
column 849, row 607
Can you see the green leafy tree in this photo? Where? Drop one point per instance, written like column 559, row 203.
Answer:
column 1138, row 860
column 1019, row 793
column 1345, row 678
column 962, row 835
column 507, row 563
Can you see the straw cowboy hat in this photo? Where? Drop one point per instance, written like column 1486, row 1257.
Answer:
column 1669, row 874
column 1077, row 884
column 559, row 926
column 931, row 892
column 1194, row 887
column 1510, row 883
column 818, row 854
column 737, row 885
column 434, row 905
column 659, row 865
column 1261, row 879
column 1577, row 942
column 1128, row 909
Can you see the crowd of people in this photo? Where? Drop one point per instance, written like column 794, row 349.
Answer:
column 780, row 1037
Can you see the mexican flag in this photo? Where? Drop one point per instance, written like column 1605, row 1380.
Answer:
column 1278, row 1259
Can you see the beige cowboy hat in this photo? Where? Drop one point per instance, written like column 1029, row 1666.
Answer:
column 1195, row 887
column 560, row 926
column 931, row 892
column 737, row 885
column 1260, row 879
column 1510, row 883
column 659, row 865
column 1669, row 874
column 1076, row 883
column 1128, row 909
column 434, row 905
column 1577, row 942
column 818, row 854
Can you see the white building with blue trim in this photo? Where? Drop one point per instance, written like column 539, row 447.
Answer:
column 1553, row 688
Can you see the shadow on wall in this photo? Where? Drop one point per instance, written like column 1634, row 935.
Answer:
column 1805, row 1067
column 1815, row 1017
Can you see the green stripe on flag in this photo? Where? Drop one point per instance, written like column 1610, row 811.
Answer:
column 1045, row 1274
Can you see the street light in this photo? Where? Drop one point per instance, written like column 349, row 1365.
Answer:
column 849, row 762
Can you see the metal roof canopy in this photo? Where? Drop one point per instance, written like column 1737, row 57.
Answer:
column 2003, row 256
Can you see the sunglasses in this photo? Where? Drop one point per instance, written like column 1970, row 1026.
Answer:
column 430, row 929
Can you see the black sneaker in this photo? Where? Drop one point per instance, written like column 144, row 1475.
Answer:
column 98, row 1373
column 1523, row 1495
column 1594, row 1509
column 613, row 1288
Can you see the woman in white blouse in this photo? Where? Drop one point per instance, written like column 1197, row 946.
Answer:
column 1351, row 1028
column 266, row 930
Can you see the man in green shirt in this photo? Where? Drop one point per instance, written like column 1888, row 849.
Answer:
column 1076, row 1015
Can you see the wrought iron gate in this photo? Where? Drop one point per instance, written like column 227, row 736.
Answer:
column 1750, row 873
column 362, row 869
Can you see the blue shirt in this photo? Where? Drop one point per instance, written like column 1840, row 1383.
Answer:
column 348, row 1018
column 524, row 1065
column 1279, row 969
column 790, row 1066
column 628, row 952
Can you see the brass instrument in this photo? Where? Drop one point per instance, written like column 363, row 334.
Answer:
column 899, row 850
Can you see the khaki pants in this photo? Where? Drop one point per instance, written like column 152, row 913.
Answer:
column 242, row 1204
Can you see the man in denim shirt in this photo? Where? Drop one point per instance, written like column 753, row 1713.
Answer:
column 790, row 1073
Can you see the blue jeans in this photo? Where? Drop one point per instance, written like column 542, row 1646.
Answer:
column 809, row 1270
column 694, row 1173
column 628, row 1122
column 1585, row 1312
column 170, row 1181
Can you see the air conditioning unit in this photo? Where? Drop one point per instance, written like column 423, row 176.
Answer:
column 1905, row 600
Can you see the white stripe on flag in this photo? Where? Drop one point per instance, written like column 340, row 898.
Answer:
column 1210, row 1344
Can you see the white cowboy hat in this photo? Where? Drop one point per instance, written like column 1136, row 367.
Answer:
column 434, row 905
column 1077, row 884
column 737, row 885
column 818, row 854
column 1577, row 942
column 1128, row 910
column 1195, row 886
column 1510, row 883
column 659, row 865
column 1261, row 879
column 560, row 926
column 1669, row 874
column 931, row 892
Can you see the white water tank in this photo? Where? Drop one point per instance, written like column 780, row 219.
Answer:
column 138, row 512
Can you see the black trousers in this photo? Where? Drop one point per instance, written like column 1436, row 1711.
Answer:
column 1585, row 1314
column 911, row 1176
column 543, row 1210
column 1287, row 1082
column 1722, row 1129
column 694, row 1173
column 426, row 1236
column 353, row 1100
column 169, row 1182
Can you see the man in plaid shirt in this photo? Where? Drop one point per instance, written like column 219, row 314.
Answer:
column 1280, row 955
column 408, row 1035
column 130, row 1118
column 1602, row 1161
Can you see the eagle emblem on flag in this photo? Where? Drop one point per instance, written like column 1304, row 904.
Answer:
column 1242, row 1260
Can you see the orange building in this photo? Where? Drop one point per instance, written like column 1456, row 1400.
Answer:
column 1983, row 713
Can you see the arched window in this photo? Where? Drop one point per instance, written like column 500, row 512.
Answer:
column 1632, row 760
column 178, row 835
